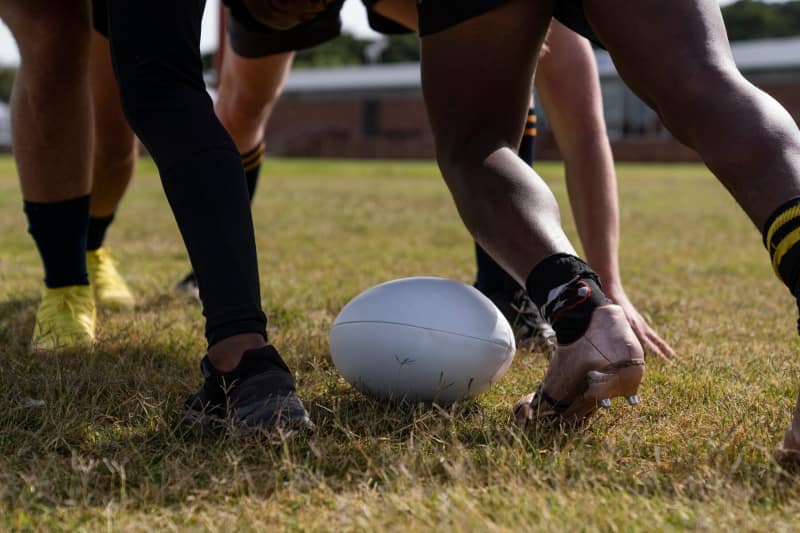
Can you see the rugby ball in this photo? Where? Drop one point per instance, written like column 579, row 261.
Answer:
column 421, row 340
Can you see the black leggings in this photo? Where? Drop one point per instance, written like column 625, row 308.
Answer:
column 155, row 47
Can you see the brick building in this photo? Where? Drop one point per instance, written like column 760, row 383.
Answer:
column 377, row 110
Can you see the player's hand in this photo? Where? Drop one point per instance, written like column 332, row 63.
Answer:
column 651, row 342
column 285, row 14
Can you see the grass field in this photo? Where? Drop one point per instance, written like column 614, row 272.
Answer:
column 90, row 441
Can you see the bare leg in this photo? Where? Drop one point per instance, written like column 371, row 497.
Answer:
column 477, row 84
column 248, row 91
column 654, row 43
column 51, row 128
column 495, row 192
column 116, row 149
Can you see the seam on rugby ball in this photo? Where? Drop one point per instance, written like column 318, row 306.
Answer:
column 501, row 344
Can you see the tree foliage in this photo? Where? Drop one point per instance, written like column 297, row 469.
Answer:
column 401, row 49
column 7, row 75
column 349, row 50
column 346, row 50
column 750, row 19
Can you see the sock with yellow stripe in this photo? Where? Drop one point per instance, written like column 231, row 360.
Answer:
column 527, row 147
column 782, row 239
column 251, row 160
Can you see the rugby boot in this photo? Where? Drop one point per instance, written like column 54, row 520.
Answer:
column 65, row 319
column 110, row 289
column 257, row 396
column 188, row 286
column 789, row 450
column 531, row 331
column 606, row 362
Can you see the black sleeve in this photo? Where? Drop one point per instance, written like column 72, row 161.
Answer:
column 155, row 46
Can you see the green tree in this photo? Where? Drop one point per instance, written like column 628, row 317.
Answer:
column 345, row 50
column 750, row 19
column 401, row 49
column 7, row 75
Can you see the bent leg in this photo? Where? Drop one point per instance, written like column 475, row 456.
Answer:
column 156, row 55
column 477, row 87
column 249, row 88
column 747, row 139
column 248, row 91
column 477, row 84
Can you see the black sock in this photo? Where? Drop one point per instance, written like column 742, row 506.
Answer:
column 490, row 276
column 491, row 279
column 97, row 231
column 59, row 230
column 566, row 291
column 251, row 160
column 527, row 146
column 782, row 238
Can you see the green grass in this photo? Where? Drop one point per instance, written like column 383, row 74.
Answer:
column 103, row 452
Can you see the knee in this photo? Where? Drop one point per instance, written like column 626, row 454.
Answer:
column 685, row 106
column 53, row 41
column 115, row 147
column 243, row 111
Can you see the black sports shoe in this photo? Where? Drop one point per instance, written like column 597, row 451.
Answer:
column 188, row 286
column 258, row 395
column 530, row 329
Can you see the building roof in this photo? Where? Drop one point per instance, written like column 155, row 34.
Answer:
column 391, row 76
column 750, row 56
column 763, row 54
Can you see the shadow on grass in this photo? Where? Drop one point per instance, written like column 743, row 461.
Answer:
column 16, row 322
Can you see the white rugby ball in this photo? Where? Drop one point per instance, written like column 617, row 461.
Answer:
column 421, row 339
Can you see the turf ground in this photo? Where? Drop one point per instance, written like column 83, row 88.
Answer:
column 89, row 441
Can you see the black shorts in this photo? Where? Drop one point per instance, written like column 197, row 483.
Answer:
column 381, row 24
column 251, row 39
column 439, row 15
column 100, row 16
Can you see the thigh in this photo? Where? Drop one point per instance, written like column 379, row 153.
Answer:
column 259, row 79
column 52, row 27
column 661, row 47
column 477, row 75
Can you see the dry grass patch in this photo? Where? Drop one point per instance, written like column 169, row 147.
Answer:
column 90, row 441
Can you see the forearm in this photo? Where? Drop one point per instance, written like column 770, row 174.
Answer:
column 569, row 91
column 592, row 188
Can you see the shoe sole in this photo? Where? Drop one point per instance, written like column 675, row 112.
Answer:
column 618, row 380
column 621, row 380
